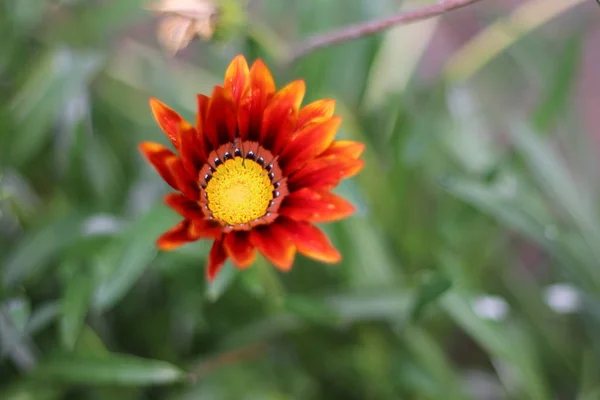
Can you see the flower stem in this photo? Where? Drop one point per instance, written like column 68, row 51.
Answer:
column 371, row 27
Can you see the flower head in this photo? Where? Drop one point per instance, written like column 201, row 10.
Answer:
column 255, row 171
column 184, row 20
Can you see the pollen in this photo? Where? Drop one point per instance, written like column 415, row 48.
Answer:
column 239, row 191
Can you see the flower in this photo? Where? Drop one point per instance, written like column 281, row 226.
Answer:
column 184, row 20
column 255, row 172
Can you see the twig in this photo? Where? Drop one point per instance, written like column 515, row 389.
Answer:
column 230, row 357
column 368, row 28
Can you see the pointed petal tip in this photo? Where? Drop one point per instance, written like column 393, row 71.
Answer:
column 156, row 106
column 333, row 256
column 239, row 59
column 216, row 259
column 149, row 149
column 237, row 77
column 166, row 245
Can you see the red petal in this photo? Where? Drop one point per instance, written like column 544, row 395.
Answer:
column 314, row 206
column 185, row 207
column 182, row 178
column 284, row 104
column 205, row 229
column 191, row 149
column 344, row 148
column 308, row 143
column 167, row 119
column 221, row 118
column 216, row 259
column 311, row 241
column 320, row 109
column 239, row 249
column 237, row 77
column 275, row 244
column 175, row 237
column 201, row 114
column 324, row 172
column 254, row 102
column 159, row 156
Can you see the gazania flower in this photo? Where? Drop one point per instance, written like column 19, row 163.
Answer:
column 255, row 172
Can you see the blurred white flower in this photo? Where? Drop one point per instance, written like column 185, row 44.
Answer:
column 563, row 298
column 490, row 307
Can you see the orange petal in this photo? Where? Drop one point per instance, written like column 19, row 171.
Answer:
column 344, row 148
column 216, row 259
column 168, row 119
column 159, row 156
column 238, row 248
column 175, row 237
column 314, row 206
column 275, row 244
column 320, row 109
column 311, row 241
column 221, row 118
column 308, row 143
column 286, row 102
column 324, row 172
column 237, row 77
column 185, row 207
column 254, row 102
column 182, row 178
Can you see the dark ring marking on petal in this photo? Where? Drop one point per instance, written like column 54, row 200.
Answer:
column 248, row 150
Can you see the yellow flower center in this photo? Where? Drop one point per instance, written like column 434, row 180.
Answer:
column 239, row 191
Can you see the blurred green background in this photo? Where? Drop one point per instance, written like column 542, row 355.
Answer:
column 471, row 269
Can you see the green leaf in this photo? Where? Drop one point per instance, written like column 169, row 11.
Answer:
column 508, row 210
column 43, row 316
column 19, row 311
column 508, row 343
column 113, row 370
column 360, row 307
column 130, row 255
column 89, row 344
column 74, row 306
column 28, row 391
column 34, row 252
column 560, row 87
column 589, row 387
column 223, row 280
column 431, row 356
column 311, row 310
column 433, row 286
column 57, row 76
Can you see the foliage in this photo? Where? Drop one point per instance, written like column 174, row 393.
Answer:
column 450, row 212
